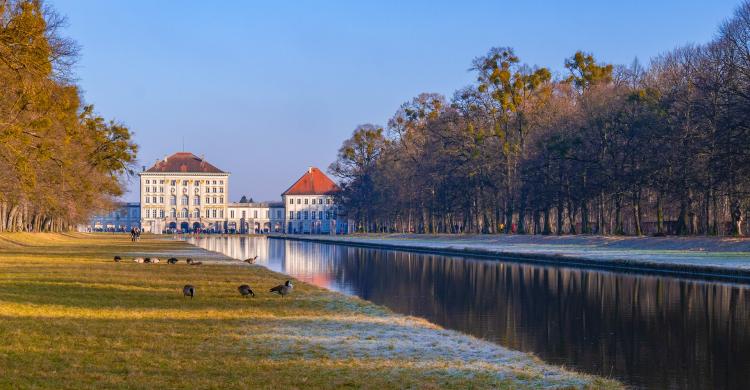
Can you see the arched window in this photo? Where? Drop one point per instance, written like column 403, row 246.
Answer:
column 173, row 200
column 184, row 200
column 184, row 213
column 173, row 212
column 197, row 200
column 197, row 213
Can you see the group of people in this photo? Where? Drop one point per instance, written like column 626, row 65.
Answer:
column 135, row 234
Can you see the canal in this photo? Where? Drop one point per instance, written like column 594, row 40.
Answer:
column 647, row 330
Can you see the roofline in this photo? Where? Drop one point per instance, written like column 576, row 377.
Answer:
column 146, row 173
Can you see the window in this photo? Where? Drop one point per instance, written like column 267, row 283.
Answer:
column 208, row 200
column 161, row 199
column 214, row 213
column 161, row 189
column 299, row 215
column 231, row 214
column 291, row 215
column 221, row 213
column 291, row 201
column 161, row 181
column 184, row 183
column 244, row 214
column 196, row 200
column 299, row 200
column 328, row 201
column 255, row 213
column 221, row 190
column 305, row 200
column 161, row 213
column 148, row 181
column 147, row 199
column 214, row 200
column 184, row 200
column 184, row 213
column 214, row 190
column 197, row 213
column 173, row 213
column 153, row 199
column 221, row 182
column 306, row 214
column 320, row 215
column 221, row 200
column 313, row 215
column 197, row 183
column 208, row 213
column 278, row 214
column 172, row 200
column 214, row 182
column 174, row 182
column 268, row 214
column 148, row 189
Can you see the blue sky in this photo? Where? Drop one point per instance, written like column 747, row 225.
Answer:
column 266, row 89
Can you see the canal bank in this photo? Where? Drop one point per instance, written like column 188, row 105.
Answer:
column 65, row 305
column 707, row 257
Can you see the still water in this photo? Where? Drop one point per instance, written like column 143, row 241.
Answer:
column 649, row 331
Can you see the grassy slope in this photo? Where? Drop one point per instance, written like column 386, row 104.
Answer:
column 72, row 318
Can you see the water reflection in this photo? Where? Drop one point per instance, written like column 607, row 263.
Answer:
column 649, row 331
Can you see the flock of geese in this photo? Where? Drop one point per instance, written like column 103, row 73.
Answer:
column 189, row 289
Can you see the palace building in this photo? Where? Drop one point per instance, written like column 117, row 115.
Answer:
column 185, row 193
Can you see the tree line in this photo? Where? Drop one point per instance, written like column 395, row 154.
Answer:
column 60, row 162
column 604, row 149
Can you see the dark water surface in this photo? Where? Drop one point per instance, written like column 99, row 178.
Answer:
column 649, row 331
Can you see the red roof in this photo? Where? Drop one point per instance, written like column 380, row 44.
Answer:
column 313, row 182
column 184, row 162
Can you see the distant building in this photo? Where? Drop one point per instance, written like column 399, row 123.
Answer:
column 184, row 192
column 122, row 219
column 310, row 207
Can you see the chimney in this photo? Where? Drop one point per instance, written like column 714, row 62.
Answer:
column 309, row 169
column 165, row 158
column 143, row 168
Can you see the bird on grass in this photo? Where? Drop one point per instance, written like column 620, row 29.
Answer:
column 245, row 290
column 117, row 259
column 172, row 260
column 188, row 291
column 283, row 289
column 139, row 260
column 192, row 262
column 147, row 260
column 155, row 260
column 251, row 260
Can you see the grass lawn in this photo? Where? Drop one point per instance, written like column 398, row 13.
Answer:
column 70, row 317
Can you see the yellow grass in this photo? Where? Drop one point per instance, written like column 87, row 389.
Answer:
column 72, row 318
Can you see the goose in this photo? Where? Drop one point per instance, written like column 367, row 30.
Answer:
column 283, row 289
column 147, row 260
column 172, row 260
column 188, row 291
column 189, row 260
column 155, row 260
column 139, row 260
column 251, row 260
column 117, row 259
column 245, row 290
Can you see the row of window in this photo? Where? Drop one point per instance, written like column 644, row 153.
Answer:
column 210, row 189
column 255, row 214
column 312, row 200
column 184, row 200
column 185, row 182
column 184, row 213
column 310, row 215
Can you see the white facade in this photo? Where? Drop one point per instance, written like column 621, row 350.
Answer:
column 264, row 217
column 185, row 201
column 310, row 214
